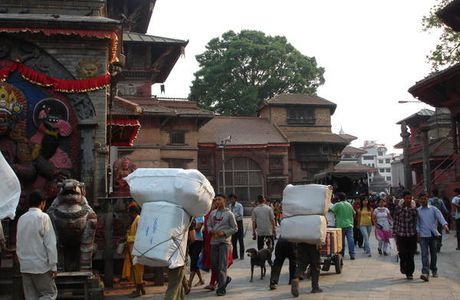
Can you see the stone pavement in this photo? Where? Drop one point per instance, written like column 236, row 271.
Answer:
column 373, row 277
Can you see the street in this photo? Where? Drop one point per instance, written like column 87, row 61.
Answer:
column 373, row 277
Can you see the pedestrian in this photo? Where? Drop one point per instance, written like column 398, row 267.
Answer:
column 428, row 218
column 439, row 204
column 221, row 225
column 206, row 253
column 283, row 249
column 36, row 250
column 456, row 205
column 131, row 272
column 357, row 235
column 405, row 232
column 263, row 222
column 364, row 222
column 238, row 237
column 344, row 215
column 307, row 255
column 177, row 284
column 195, row 249
column 382, row 222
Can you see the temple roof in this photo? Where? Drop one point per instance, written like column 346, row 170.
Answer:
column 300, row 100
column 243, row 131
column 420, row 116
column 353, row 150
column 314, row 137
column 144, row 38
column 450, row 15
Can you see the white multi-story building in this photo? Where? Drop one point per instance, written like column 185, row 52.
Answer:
column 376, row 156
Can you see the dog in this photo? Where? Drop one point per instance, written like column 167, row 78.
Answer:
column 258, row 258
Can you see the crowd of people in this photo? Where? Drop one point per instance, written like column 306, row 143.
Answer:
column 217, row 239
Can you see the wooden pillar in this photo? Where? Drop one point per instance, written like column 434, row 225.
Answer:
column 108, row 237
column 454, row 134
column 426, row 160
column 407, row 170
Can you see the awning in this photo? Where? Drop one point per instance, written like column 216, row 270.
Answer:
column 124, row 131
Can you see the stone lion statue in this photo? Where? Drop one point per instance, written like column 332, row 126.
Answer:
column 75, row 225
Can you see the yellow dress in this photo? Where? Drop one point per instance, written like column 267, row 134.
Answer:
column 137, row 273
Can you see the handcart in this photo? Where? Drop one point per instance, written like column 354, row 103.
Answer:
column 330, row 251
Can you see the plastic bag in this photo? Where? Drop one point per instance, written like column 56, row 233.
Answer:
column 393, row 251
column 10, row 190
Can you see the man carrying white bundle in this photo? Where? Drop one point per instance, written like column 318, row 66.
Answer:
column 221, row 226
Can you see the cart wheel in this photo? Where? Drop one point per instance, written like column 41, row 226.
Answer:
column 327, row 264
column 338, row 263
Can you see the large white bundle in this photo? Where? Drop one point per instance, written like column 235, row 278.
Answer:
column 10, row 190
column 186, row 188
column 161, row 237
column 307, row 199
column 307, row 229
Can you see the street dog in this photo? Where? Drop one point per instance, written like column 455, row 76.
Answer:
column 258, row 258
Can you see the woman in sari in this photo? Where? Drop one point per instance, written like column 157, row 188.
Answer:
column 382, row 221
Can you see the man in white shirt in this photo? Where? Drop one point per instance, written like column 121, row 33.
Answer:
column 263, row 222
column 237, row 210
column 36, row 250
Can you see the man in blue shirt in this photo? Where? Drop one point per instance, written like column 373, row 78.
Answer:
column 237, row 210
column 456, row 205
column 428, row 218
column 439, row 204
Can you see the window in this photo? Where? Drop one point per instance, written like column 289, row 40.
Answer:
column 177, row 137
column 387, row 161
column 381, row 170
column 380, row 161
column 388, row 170
column 178, row 163
column 368, row 157
column 301, row 115
column 243, row 177
column 388, row 178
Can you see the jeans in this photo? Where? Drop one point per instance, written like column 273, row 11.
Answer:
column 407, row 245
column 307, row 254
column 219, row 253
column 457, row 223
column 429, row 244
column 238, row 237
column 283, row 250
column 366, row 233
column 348, row 233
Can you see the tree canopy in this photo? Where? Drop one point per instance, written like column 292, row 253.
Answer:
column 239, row 71
column 447, row 51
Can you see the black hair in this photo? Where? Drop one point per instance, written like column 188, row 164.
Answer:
column 36, row 197
column 134, row 209
column 260, row 198
column 221, row 195
column 435, row 192
column 457, row 190
column 232, row 196
column 422, row 194
column 406, row 192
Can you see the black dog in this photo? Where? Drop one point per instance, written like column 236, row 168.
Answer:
column 258, row 258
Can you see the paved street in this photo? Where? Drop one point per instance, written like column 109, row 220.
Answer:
column 364, row 278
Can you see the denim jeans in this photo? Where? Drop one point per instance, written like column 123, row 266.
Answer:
column 429, row 244
column 366, row 233
column 219, row 254
column 348, row 234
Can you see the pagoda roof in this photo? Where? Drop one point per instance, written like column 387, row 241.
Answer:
column 54, row 20
column 137, row 37
column 314, row 137
column 418, row 117
column 300, row 100
column 450, row 15
column 243, row 131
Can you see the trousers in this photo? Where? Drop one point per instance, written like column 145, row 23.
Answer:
column 39, row 286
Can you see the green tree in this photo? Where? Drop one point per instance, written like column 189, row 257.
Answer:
column 447, row 51
column 240, row 71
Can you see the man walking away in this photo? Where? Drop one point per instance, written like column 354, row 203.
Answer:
column 404, row 229
column 456, row 205
column 306, row 254
column 428, row 218
column 439, row 204
column 237, row 210
column 36, row 250
column 221, row 226
column 344, row 213
column 263, row 222
column 283, row 249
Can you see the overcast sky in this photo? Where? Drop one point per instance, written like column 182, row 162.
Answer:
column 372, row 51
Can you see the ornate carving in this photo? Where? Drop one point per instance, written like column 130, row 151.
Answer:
column 122, row 167
column 88, row 67
column 75, row 223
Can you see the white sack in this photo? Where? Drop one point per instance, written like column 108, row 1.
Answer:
column 161, row 237
column 307, row 199
column 308, row 229
column 10, row 190
column 188, row 189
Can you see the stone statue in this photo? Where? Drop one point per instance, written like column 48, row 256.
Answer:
column 75, row 225
column 121, row 168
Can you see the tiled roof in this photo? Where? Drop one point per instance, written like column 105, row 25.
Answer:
column 301, row 99
column 353, row 150
column 53, row 18
column 315, row 137
column 144, row 38
column 348, row 166
column 243, row 131
column 424, row 113
column 124, row 107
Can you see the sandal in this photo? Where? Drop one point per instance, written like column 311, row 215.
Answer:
column 199, row 283
column 210, row 287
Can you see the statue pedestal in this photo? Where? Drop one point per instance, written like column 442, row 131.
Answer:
column 84, row 285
